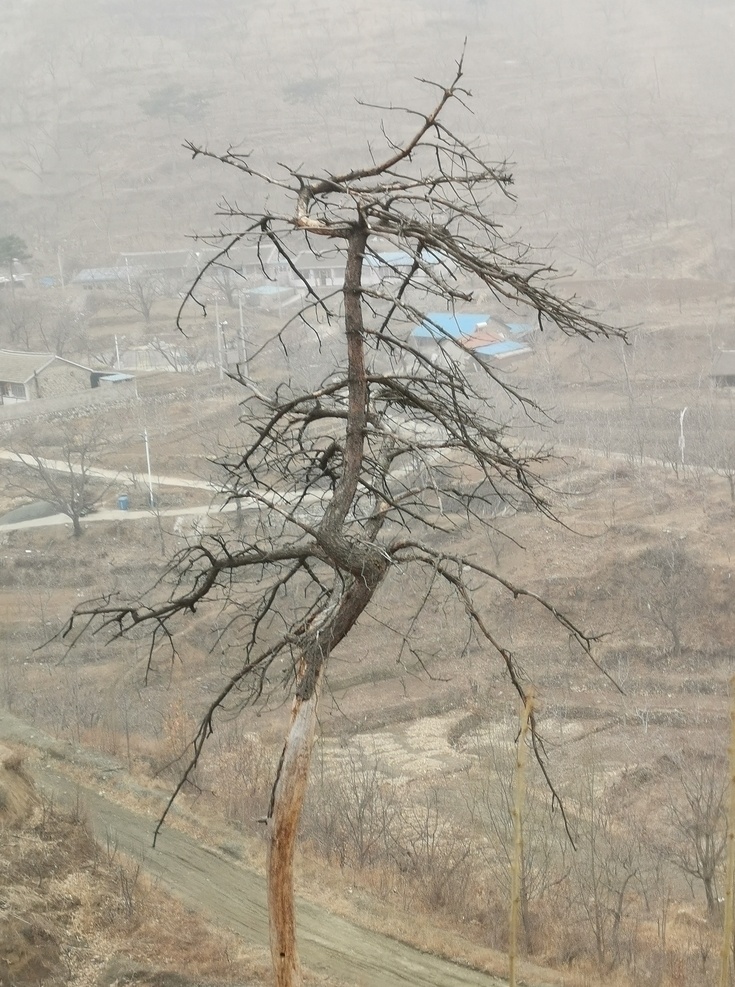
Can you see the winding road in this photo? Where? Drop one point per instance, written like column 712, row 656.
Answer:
column 228, row 894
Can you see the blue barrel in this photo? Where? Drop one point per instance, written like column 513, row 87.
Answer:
column 122, row 502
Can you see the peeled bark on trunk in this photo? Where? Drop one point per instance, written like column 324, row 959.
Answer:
column 283, row 823
column 289, row 790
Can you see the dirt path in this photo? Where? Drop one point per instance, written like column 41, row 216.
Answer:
column 230, row 895
column 126, row 476
column 110, row 514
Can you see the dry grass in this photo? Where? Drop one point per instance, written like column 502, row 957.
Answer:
column 590, row 727
column 75, row 913
column 17, row 797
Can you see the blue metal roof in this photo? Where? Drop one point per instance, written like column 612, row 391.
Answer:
column 394, row 258
column 443, row 325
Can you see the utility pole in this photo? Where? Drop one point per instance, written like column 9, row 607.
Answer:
column 218, row 330
column 681, row 434
column 61, row 263
column 243, row 354
column 151, row 499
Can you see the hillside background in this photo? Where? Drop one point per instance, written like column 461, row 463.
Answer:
column 619, row 124
column 618, row 116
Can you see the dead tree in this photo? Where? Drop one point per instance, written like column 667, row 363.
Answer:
column 350, row 475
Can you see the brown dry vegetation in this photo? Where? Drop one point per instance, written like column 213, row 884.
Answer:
column 75, row 912
column 407, row 803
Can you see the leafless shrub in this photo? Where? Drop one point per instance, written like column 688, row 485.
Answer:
column 353, row 813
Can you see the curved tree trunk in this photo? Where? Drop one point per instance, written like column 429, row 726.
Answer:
column 283, row 823
column 292, row 779
column 363, row 568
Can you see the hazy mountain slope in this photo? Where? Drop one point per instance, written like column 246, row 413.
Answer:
column 617, row 115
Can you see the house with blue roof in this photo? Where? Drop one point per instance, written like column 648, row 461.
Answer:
column 501, row 350
column 272, row 297
column 104, row 277
column 458, row 334
column 449, row 325
column 326, row 268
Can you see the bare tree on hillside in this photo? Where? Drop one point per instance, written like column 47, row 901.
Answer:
column 354, row 812
column 351, row 475
column 227, row 279
column 544, row 866
column 173, row 100
column 715, row 440
column 609, row 869
column 138, row 290
column 697, row 810
column 39, row 323
column 60, row 472
column 666, row 584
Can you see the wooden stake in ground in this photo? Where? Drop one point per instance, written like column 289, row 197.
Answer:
column 519, row 796
column 727, row 924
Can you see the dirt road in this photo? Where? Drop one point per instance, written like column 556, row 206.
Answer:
column 123, row 476
column 232, row 896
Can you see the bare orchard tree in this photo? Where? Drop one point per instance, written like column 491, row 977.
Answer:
column 544, row 865
column 668, row 588
column 349, row 476
column 137, row 290
column 42, row 323
column 609, row 870
column 697, row 811
column 228, row 279
column 59, row 467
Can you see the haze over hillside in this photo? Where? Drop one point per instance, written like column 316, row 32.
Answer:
column 618, row 115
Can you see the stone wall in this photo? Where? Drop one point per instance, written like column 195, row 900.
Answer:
column 83, row 402
column 60, row 380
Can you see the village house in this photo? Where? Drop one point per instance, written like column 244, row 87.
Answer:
column 387, row 265
column 104, row 277
column 20, row 276
column 326, row 268
column 322, row 270
column 459, row 334
column 169, row 268
column 30, row 376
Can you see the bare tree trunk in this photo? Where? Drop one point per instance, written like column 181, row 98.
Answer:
column 710, row 893
column 289, row 790
column 283, row 823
